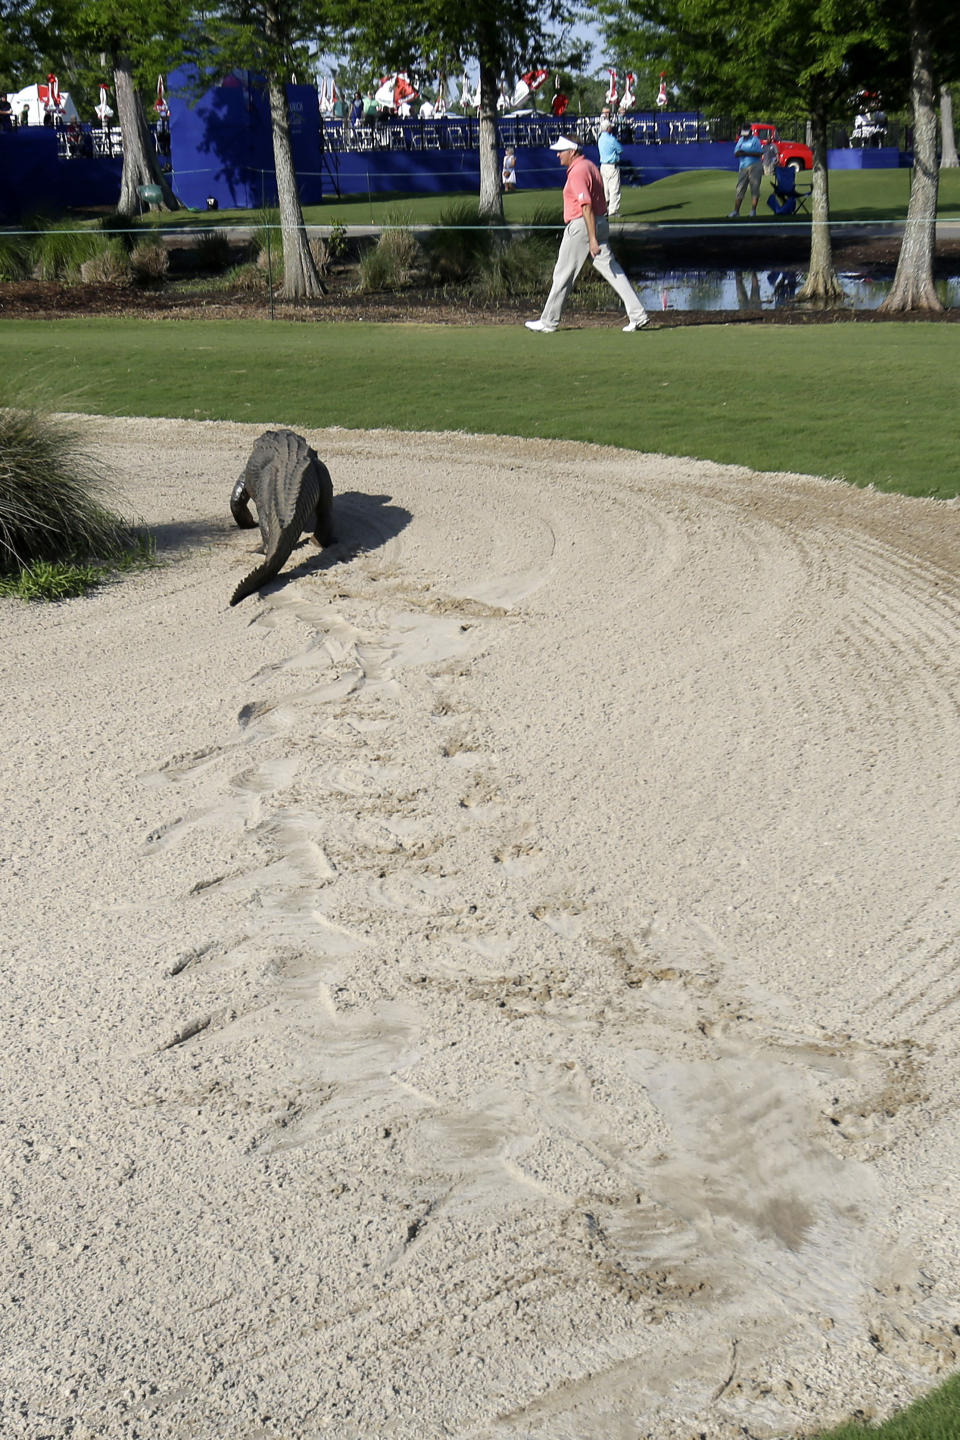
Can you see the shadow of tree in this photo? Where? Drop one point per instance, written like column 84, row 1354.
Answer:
column 657, row 210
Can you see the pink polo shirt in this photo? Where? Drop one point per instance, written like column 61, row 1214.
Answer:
column 584, row 187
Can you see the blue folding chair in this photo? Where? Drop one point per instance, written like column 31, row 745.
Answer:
column 786, row 198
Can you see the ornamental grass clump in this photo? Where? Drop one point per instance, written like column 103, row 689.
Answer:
column 53, row 496
column 149, row 262
column 267, row 233
column 109, row 267
column 521, row 269
column 246, row 279
column 460, row 244
column 14, row 257
column 211, row 251
column 390, row 264
column 61, row 250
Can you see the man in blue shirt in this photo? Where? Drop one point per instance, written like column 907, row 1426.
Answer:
column 749, row 151
column 610, row 153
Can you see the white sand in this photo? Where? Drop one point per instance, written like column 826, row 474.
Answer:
column 504, row 981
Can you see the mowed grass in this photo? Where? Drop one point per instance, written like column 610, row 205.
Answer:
column 694, row 197
column 933, row 1417
column 871, row 403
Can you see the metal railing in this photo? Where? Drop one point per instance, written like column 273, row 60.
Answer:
column 462, row 132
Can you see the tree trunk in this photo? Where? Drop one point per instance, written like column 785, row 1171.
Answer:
column 948, row 137
column 913, row 287
column 822, row 285
column 491, row 200
column 140, row 163
column 300, row 277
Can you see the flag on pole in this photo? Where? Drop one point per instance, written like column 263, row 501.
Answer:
column 384, row 95
column 528, row 84
column 103, row 109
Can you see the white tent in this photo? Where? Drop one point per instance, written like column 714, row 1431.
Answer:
column 35, row 97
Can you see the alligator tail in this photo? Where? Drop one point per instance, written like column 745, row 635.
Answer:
column 269, row 568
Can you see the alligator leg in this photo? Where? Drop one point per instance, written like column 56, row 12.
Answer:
column 323, row 531
column 240, row 504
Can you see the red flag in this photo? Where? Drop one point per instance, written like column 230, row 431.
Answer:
column 403, row 90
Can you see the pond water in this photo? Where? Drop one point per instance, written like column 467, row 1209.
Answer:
column 764, row 288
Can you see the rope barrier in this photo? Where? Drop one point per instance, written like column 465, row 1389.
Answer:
column 635, row 222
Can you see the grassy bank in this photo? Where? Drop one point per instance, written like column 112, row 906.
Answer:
column 933, row 1417
column 871, row 403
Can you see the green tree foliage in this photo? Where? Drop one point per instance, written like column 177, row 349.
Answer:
column 505, row 37
column 135, row 38
column 27, row 32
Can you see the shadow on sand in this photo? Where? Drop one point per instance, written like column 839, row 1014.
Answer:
column 363, row 523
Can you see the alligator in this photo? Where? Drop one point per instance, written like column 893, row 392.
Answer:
column 292, row 491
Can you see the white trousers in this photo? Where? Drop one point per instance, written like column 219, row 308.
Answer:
column 574, row 249
column 610, row 175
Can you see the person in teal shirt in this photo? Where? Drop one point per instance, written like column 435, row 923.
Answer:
column 749, row 151
column 611, row 152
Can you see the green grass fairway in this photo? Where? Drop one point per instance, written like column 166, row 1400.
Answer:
column 934, row 1417
column 871, row 403
column 861, row 196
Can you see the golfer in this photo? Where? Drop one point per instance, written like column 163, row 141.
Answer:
column 587, row 233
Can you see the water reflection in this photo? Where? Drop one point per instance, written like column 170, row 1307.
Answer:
column 748, row 290
column 762, row 289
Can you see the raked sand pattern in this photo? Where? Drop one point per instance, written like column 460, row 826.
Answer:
column 502, row 982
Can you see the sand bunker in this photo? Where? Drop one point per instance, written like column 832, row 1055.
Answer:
column 503, row 982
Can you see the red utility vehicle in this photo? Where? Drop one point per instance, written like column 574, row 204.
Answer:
column 789, row 152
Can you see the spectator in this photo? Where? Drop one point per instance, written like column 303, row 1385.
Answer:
column 508, row 171
column 6, row 113
column 586, row 233
column 356, row 109
column 749, row 151
column 611, row 153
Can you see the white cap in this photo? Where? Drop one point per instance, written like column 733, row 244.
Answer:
column 564, row 144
